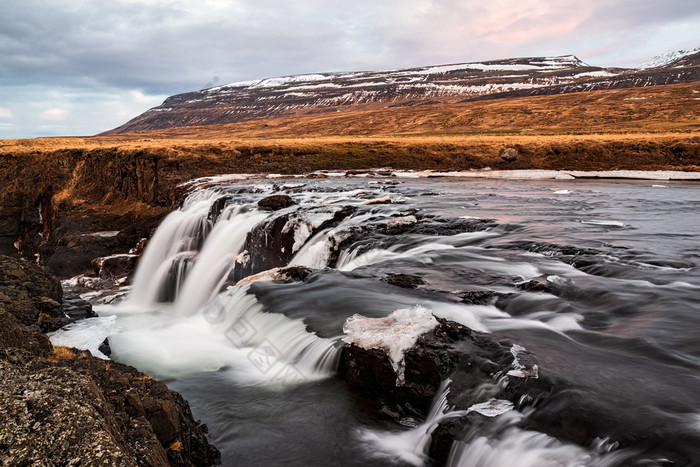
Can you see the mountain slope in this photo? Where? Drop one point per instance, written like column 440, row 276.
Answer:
column 667, row 59
column 334, row 92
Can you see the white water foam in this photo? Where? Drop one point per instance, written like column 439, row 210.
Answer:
column 216, row 259
column 232, row 334
column 409, row 446
column 513, row 446
column 424, row 253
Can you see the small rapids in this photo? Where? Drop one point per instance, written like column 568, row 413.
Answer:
column 246, row 311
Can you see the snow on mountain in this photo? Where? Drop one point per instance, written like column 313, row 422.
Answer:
column 335, row 92
column 666, row 59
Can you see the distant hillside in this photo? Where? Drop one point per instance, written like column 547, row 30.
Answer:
column 336, row 92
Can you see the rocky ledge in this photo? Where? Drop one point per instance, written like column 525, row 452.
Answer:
column 409, row 362
column 62, row 406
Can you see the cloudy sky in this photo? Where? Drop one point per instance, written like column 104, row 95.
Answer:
column 79, row 67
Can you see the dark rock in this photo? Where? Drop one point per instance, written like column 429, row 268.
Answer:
column 114, row 266
column 31, row 295
column 427, row 364
column 60, row 406
column 270, row 244
column 15, row 335
column 407, row 281
column 276, row 202
column 75, row 307
column 105, row 348
column 53, row 415
column 478, row 297
column 538, row 284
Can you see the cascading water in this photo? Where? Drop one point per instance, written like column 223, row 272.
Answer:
column 182, row 231
column 600, row 284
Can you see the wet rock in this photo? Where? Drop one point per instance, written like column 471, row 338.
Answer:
column 276, row 202
column 217, row 207
column 436, row 355
column 478, row 297
column 75, row 307
column 407, row 281
column 538, row 284
column 105, row 348
column 274, row 243
column 115, row 266
column 509, row 155
column 399, row 225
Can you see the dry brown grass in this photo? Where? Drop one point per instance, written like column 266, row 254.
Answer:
column 62, row 353
column 653, row 128
column 176, row 446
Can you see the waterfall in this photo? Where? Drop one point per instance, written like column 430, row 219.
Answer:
column 216, row 258
column 410, row 447
column 197, row 328
column 506, row 444
column 181, row 231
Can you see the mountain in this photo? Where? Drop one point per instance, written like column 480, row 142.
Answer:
column 668, row 58
column 335, row 92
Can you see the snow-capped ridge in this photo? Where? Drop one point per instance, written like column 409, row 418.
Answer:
column 667, row 58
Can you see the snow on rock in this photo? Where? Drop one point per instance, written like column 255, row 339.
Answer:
column 87, row 334
column 520, row 365
column 492, row 408
column 395, row 334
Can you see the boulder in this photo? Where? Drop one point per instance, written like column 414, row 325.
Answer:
column 509, row 155
column 115, row 266
column 276, row 202
column 32, row 296
column 274, row 242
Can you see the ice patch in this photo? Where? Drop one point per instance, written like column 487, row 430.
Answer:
column 394, row 334
column 604, row 223
column 104, row 234
column 87, row 334
column 492, row 408
column 519, row 369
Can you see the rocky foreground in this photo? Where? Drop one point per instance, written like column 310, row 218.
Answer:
column 62, row 406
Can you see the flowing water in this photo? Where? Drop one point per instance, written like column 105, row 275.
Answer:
column 600, row 280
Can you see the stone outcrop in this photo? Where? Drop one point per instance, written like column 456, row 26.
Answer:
column 31, row 295
column 276, row 202
column 274, row 242
column 480, row 368
column 61, row 406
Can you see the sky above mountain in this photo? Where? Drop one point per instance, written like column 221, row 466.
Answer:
column 79, row 67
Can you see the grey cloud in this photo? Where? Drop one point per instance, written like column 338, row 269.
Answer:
column 165, row 47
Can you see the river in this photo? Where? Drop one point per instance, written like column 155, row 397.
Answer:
column 598, row 279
